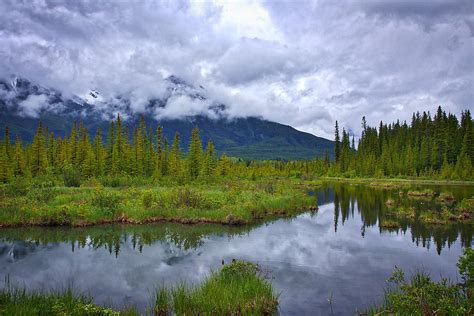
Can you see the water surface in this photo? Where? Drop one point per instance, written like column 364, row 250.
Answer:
column 338, row 254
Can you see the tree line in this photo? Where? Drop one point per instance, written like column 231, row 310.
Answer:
column 440, row 146
column 144, row 153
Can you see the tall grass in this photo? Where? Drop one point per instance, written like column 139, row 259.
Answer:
column 237, row 289
column 420, row 295
column 233, row 202
column 16, row 301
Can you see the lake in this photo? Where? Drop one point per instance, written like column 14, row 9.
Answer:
column 333, row 261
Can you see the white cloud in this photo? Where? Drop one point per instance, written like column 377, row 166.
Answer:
column 32, row 106
column 302, row 64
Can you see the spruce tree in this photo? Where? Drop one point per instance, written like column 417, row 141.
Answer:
column 175, row 157
column 210, row 161
column 159, row 153
column 38, row 157
column 18, row 161
column 194, row 158
column 337, row 148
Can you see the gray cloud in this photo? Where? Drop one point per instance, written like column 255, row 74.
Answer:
column 305, row 64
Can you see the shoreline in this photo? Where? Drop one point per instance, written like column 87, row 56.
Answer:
column 398, row 180
column 237, row 222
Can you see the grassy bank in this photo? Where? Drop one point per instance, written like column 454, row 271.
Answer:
column 396, row 182
column 422, row 296
column 239, row 288
column 20, row 302
column 233, row 203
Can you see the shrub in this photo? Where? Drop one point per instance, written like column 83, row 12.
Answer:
column 109, row 181
column 268, row 187
column 421, row 296
column 466, row 269
column 18, row 187
column 147, row 198
column 466, row 205
column 71, row 176
column 186, row 197
column 106, row 200
column 42, row 190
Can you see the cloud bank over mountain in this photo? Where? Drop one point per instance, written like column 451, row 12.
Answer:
column 305, row 64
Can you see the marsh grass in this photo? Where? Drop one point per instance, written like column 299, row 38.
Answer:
column 422, row 296
column 16, row 301
column 423, row 193
column 238, row 288
column 233, row 202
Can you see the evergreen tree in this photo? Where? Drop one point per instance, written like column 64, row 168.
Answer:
column 210, row 160
column 4, row 165
column 159, row 153
column 337, row 148
column 18, row 161
column 99, row 154
column 194, row 159
column 38, row 157
column 175, row 157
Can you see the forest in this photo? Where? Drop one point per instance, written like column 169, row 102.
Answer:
column 441, row 147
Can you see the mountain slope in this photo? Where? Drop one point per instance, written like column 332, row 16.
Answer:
column 249, row 138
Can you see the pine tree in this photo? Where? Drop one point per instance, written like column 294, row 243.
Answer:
column 175, row 157
column 224, row 166
column 4, row 165
column 159, row 153
column 194, row 158
column 118, row 149
column 99, row 154
column 73, row 146
column 38, row 161
column 210, row 161
column 337, row 148
column 18, row 161
column 110, row 147
column 7, row 143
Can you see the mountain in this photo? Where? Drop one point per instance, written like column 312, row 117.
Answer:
column 23, row 103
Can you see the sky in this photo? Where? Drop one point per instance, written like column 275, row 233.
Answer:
column 301, row 63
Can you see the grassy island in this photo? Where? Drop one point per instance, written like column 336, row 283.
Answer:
column 232, row 203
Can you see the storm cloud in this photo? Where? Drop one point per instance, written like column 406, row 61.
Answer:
column 305, row 64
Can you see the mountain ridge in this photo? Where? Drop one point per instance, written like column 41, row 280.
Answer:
column 244, row 137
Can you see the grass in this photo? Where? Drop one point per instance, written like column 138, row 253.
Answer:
column 422, row 296
column 422, row 193
column 232, row 203
column 237, row 289
column 396, row 182
column 423, row 206
column 14, row 301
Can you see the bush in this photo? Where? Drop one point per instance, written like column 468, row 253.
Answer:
column 186, row 197
column 18, row 187
column 108, row 181
column 71, row 176
column 466, row 269
column 422, row 296
column 267, row 187
column 42, row 190
column 106, row 200
column 147, row 198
